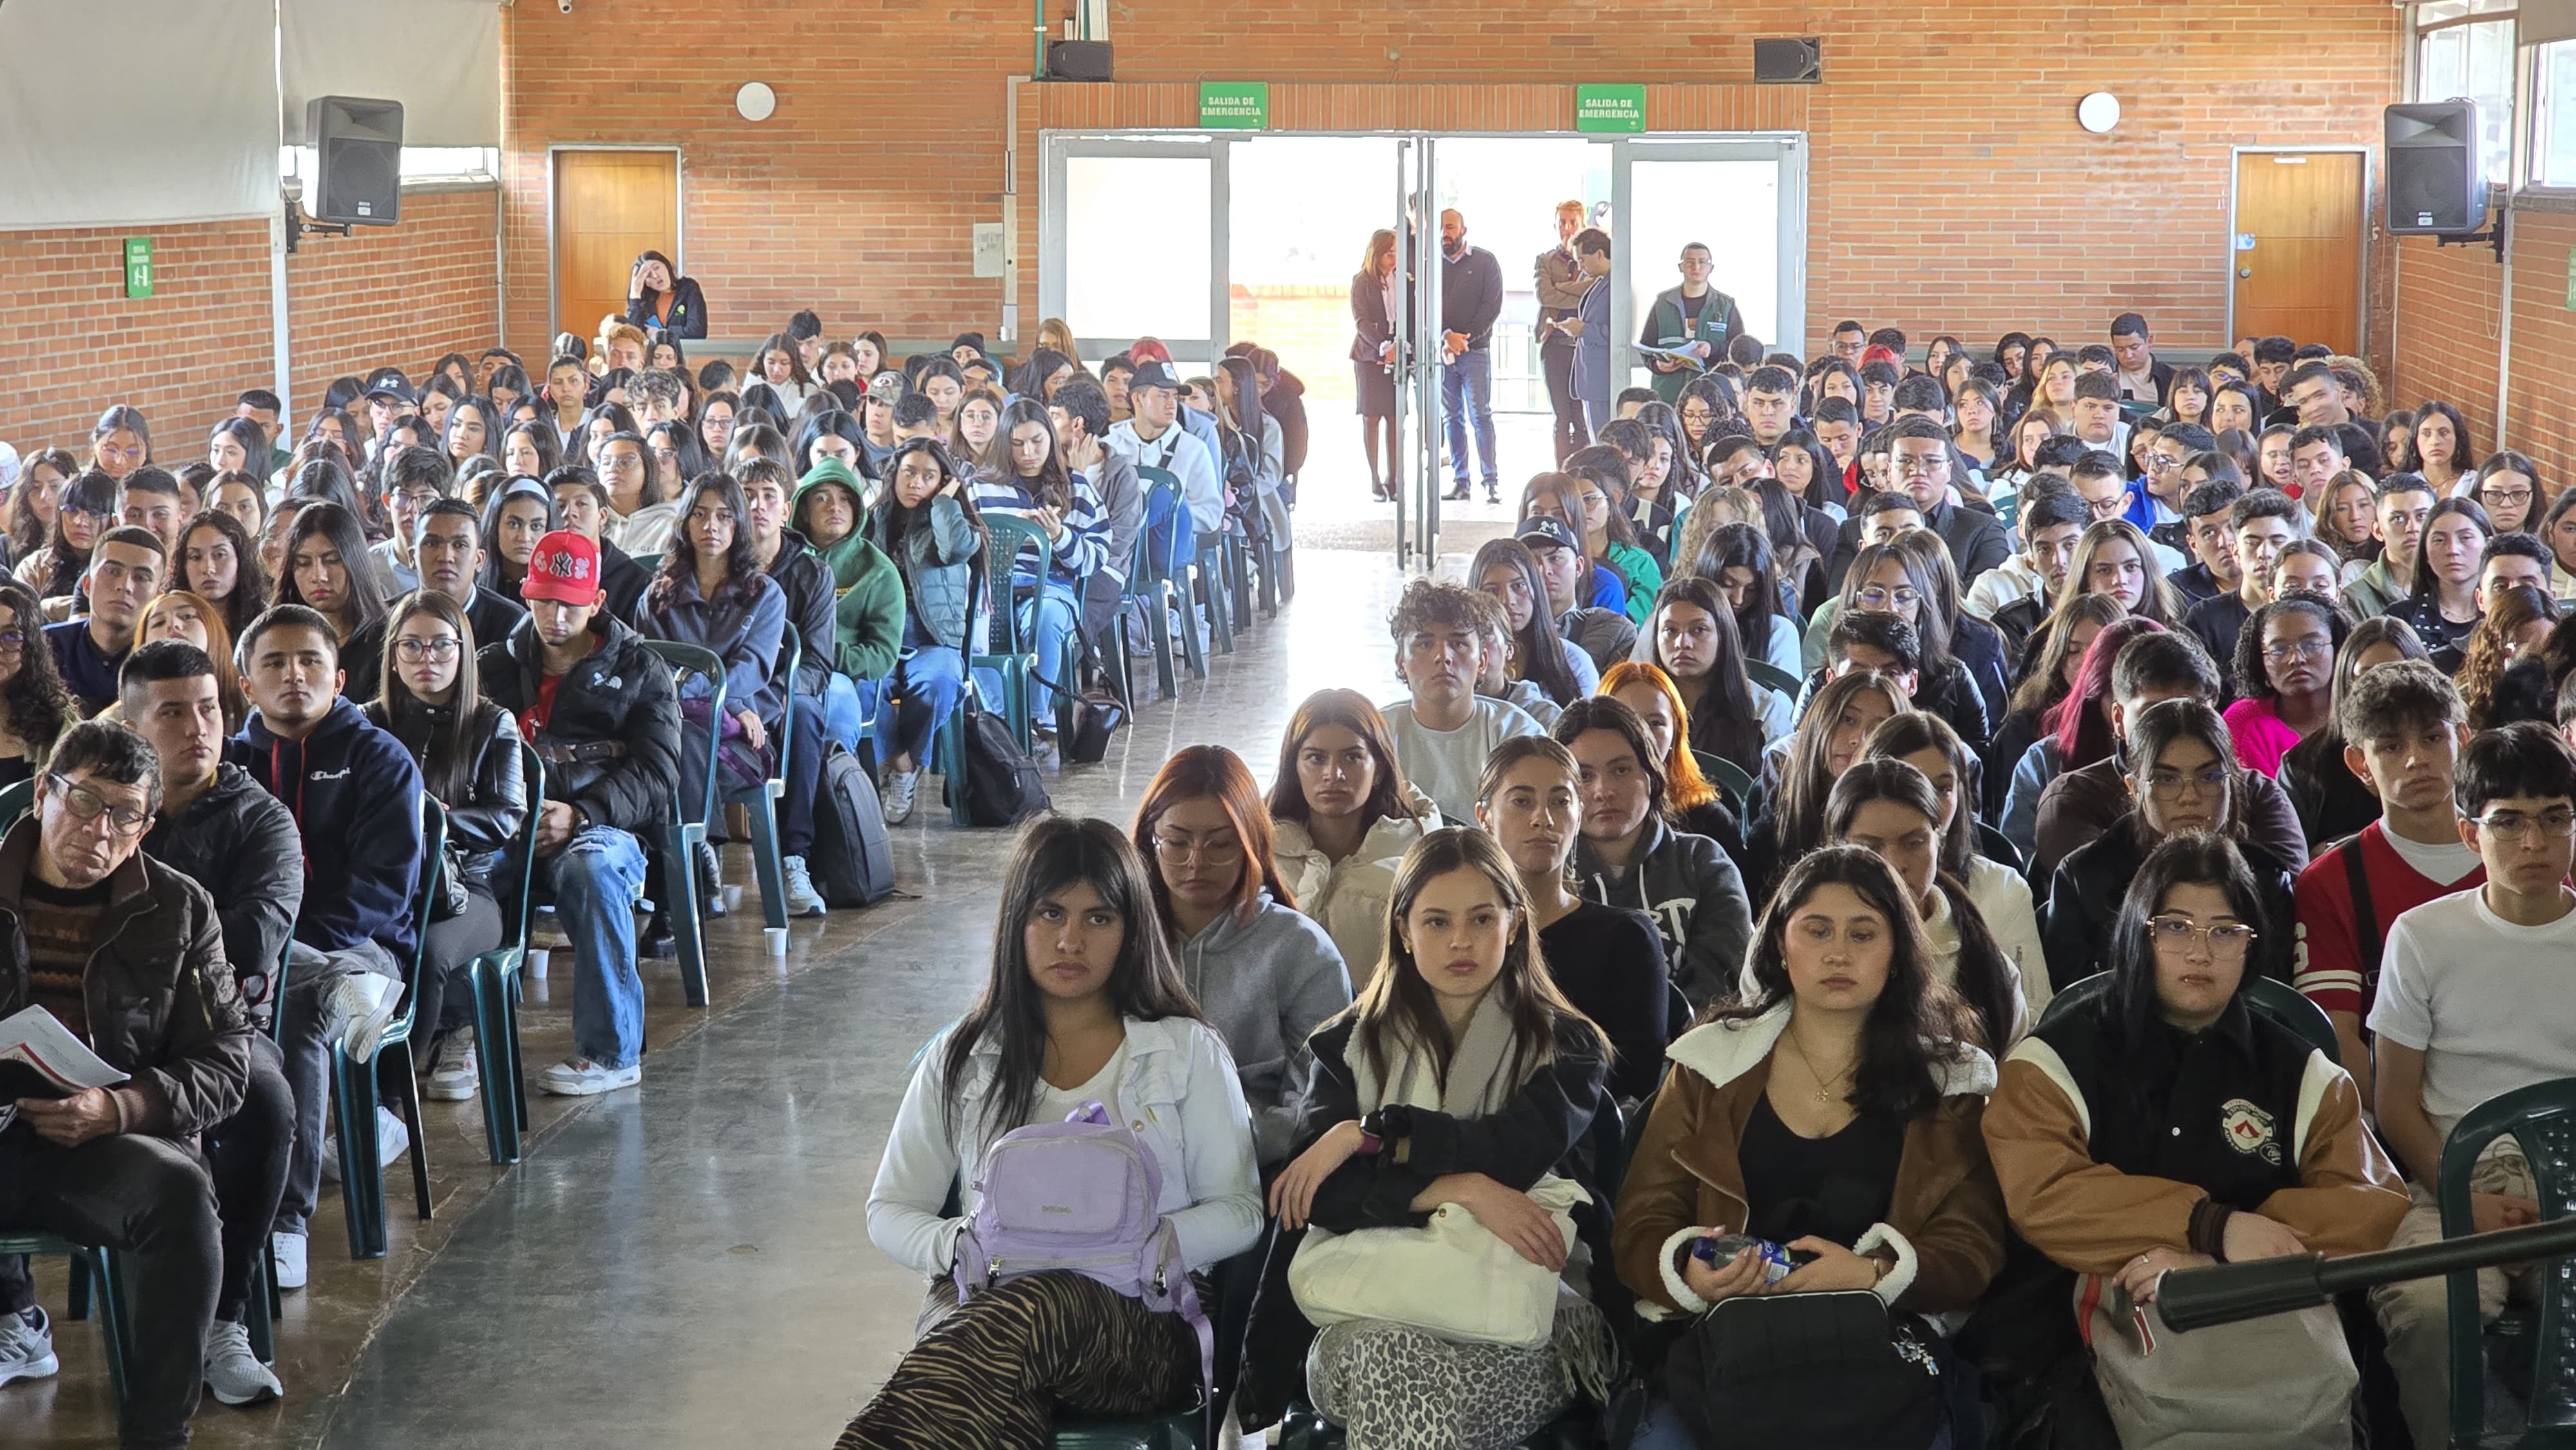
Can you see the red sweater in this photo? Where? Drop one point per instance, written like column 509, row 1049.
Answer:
column 2329, row 961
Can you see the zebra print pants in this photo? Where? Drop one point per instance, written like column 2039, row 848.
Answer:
column 990, row 1373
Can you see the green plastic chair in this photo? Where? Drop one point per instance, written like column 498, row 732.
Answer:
column 1010, row 651
column 681, row 837
column 2264, row 997
column 1729, row 777
column 1148, row 583
column 94, row 1271
column 1170, row 574
column 2542, row 1119
column 1766, row 673
column 494, row 980
column 353, row 1084
column 14, row 801
column 760, row 802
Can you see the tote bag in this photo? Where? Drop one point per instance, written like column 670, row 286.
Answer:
column 1450, row 1278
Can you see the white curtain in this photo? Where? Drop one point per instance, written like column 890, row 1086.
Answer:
column 121, row 112
column 440, row 58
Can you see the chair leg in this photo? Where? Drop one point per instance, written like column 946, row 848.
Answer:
column 408, row 1104
column 518, row 1061
column 255, row 1315
column 362, row 1174
column 1192, row 653
column 79, row 1288
column 108, row 1270
column 952, row 767
column 495, row 1051
column 766, row 861
column 680, row 883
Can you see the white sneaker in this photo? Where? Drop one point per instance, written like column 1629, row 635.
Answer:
column 232, row 1371
column 579, row 1077
column 391, row 1139
column 900, row 787
column 26, row 1347
column 356, row 1009
column 289, row 1250
column 454, row 1075
column 802, row 898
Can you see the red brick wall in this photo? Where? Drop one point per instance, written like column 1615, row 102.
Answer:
column 1950, row 188
column 2448, row 318
column 2542, row 418
column 2449, row 302
column 404, row 295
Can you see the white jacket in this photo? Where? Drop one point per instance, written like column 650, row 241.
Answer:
column 1349, row 896
column 1179, row 1093
column 2003, row 898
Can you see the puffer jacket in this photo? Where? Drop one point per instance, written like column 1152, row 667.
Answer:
column 1266, row 976
column 747, row 634
column 162, row 1005
column 484, row 827
column 239, row 843
column 941, row 566
column 1349, row 896
column 1694, row 893
column 612, row 744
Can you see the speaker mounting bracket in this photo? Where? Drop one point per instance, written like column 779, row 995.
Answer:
column 2494, row 235
column 297, row 226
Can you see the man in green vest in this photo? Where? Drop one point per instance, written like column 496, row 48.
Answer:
column 1693, row 318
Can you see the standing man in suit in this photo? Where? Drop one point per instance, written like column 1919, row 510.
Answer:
column 1471, row 299
column 1590, row 329
column 1561, row 282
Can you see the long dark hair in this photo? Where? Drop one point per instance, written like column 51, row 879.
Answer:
column 39, row 708
column 1902, row 735
column 2140, row 1039
column 447, row 765
column 1052, row 487
column 1742, row 546
column 93, row 493
column 1398, row 1006
column 680, row 557
column 1352, row 711
column 1723, row 720
column 26, row 531
column 251, row 583
column 2163, row 723
column 1931, row 625
column 1985, row 980
column 1538, row 651
column 335, row 525
column 1914, row 1013
column 1603, row 712
column 2045, row 684
column 897, row 519
column 1055, row 852
column 542, row 438
column 1798, row 816
column 2422, row 585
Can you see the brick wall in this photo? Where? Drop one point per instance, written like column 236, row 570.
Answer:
column 2448, row 318
column 1950, row 188
column 2448, row 307
column 404, row 295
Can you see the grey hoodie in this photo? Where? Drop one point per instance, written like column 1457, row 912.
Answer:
column 1696, row 897
column 1265, row 975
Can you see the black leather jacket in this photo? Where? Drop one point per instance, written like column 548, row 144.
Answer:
column 484, row 827
column 239, row 843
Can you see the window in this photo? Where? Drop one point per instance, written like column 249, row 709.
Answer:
column 2464, row 50
column 2553, row 118
column 420, row 164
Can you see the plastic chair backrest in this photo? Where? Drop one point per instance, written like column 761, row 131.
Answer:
column 15, row 801
column 1162, row 500
column 1007, row 539
column 1609, row 1134
column 2277, row 1001
column 1997, row 847
column 1727, row 776
column 2542, row 1119
column 433, row 871
column 2069, row 998
column 1766, row 673
column 687, row 662
column 532, row 768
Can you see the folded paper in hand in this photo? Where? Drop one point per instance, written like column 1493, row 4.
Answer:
column 40, row 1058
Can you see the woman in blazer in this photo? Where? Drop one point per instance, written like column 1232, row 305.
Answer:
column 1373, row 304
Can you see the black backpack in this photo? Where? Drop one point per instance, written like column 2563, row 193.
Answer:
column 1003, row 787
column 852, row 859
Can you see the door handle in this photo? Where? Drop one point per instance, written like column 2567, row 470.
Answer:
column 2244, row 271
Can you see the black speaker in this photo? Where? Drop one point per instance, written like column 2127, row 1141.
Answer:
column 1077, row 60
column 357, row 160
column 2437, row 181
column 1789, row 62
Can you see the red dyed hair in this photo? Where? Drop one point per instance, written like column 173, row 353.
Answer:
column 1218, row 774
column 2079, row 725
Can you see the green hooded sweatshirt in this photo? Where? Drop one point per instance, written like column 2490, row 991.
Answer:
column 868, row 619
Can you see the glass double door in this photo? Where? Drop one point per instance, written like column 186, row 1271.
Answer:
column 1199, row 239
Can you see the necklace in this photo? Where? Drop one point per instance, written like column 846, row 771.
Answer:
column 1824, row 1097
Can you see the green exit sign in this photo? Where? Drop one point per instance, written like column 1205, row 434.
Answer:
column 138, row 266
column 1234, row 105
column 1609, row 108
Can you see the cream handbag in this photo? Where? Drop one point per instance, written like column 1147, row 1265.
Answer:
column 1450, row 1278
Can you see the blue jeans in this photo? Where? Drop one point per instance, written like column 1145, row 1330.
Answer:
column 1047, row 617
column 1467, row 387
column 595, row 878
column 926, row 684
column 846, row 709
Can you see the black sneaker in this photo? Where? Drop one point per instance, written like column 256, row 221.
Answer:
column 1457, row 495
column 1493, row 493
column 656, row 939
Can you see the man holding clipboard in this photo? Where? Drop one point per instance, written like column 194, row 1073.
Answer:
column 1689, row 326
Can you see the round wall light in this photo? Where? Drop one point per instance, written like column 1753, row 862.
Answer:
column 757, row 102
column 2098, row 112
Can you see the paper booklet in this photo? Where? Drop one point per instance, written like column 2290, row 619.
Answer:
column 1675, row 353
column 40, row 1058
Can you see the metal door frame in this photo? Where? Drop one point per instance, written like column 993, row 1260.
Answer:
column 679, row 217
column 2361, row 295
column 1788, row 149
column 1057, row 147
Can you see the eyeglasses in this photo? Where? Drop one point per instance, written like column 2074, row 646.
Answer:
column 2515, row 826
column 2160, row 463
column 2173, row 785
column 1878, row 597
column 2297, row 649
column 13, row 639
column 88, row 805
column 416, row 650
column 1222, row 850
column 2176, row 933
column 2515, row 497
column 1918, row 462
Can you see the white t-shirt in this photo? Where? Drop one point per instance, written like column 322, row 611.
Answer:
column 1056, row 1104
column 1447, row 765
column 2441, row 864
column 2483, row 999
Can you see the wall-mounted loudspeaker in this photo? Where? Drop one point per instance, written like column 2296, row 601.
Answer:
column 2437, row 180
column 1077, row 60
column 357, row 155
column 1789, row 62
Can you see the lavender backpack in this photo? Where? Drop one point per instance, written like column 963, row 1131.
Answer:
column 1083, row 1195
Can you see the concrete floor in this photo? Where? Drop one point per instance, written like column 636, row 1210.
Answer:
column 687, row 1264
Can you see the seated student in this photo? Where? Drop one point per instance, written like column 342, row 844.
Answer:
column 1535, row 653
column 448, row 547
column 805, row 583
column 1895, row 583
column 710, row 591
column 1080, row 412
column 329, row 571
column 2082, row 802
column 2442, row 602
column 2002, row 897
column 867, row 611
column 1882, row 516
column 2054, row 667
column 2455, row 1025
column 2403, row 506
column 1919, row 456
column 355, row 796
column 513, row 517
column 1974, row 646
column 2308, row 566
column 1555, row 498
column 1789, row 821
column 2331, row 801
column 2508, row 561
column 1739, row 558
column 1262, row 972
column 2503, row 676
column 155, row 503
column 580, row 504
column 1607, row 960
column 1156, row 436
column 2284, row 667
column 1691, row 637
column 1694, row 805
column 2050, row 525
column 125, row 569
column 928, row 526
column 468, row 752
column 1084, row 1005
column 34, row 707
column 2113, row 558
column 119, row 1166
column 218, row 561
column 411, row 479
column 604, row 716
column 1630, row 856
column 84, row 510
column 1606, row 635
column 1596, row 498
column 1889, row 808
column 2259, row 524
column 2207, row 508
column 1341, row 817
column 1462, row 1076
column 1444, row 732
column 1834, row 1112
column 1034, row 486
column 2181, row 778
column 2165, row 1125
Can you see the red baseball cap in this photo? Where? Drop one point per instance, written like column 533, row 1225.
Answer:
column 565, row 567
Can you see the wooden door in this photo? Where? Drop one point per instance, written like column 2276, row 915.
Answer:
column 610, row 206
column 2300, row 277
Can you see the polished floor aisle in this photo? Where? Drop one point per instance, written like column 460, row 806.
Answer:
column 687, row 1265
